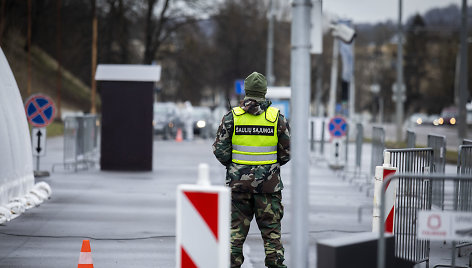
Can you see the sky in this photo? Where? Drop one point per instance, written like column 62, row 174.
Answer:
column 372, row 11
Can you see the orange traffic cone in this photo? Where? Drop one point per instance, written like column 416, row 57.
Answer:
column 178, row 137
column 85, row 259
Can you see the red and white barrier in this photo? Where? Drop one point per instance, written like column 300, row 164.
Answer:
column 203, row 224
column 381, row 173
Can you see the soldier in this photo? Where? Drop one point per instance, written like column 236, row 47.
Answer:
column 253, row 141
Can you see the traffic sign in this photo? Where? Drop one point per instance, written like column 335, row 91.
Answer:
column 337, row 127
column 444, row 225
column 40, row 110
column 239, row 86
column 38, row 140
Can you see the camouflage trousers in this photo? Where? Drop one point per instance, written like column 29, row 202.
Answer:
column 268, row 210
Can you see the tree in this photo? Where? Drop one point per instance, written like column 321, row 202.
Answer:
column 415, row 62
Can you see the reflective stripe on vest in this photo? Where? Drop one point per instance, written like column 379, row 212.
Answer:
column 255, row 137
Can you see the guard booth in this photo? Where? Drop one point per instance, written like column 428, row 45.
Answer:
column 127, row 112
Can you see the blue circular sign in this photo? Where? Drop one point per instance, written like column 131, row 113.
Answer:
column 40, row 110
column 337, row 127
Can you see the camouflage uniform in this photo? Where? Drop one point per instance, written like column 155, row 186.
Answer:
column 256, row 189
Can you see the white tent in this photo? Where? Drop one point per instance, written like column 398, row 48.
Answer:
column 16, row 161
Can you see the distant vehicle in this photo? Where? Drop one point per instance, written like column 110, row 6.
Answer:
column 202, row 120
column 217, row 114
column 434, row 119
column 166, row 119
column 448, row 116
column 418, row 119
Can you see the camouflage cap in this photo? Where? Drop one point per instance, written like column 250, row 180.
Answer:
column 255, row 86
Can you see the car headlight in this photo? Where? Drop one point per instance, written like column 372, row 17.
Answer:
column 452, row 121
column 436, row 122
column 441, row 121
column 419, row 121
column 201, row 124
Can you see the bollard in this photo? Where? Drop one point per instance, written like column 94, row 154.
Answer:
column 381, row 173
column 203, row 223
column 203, row 175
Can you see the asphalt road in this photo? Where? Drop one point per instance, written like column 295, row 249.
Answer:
column 130, row 216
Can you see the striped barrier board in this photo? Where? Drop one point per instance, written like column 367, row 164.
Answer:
column 203, row 226
column 381, row 173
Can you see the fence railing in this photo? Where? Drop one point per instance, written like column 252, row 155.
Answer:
column 438, row 143
column 410, row 196
column 463, row 189
column 81, row 142
column 410, row 139
column 378, row 146
column 421, row 198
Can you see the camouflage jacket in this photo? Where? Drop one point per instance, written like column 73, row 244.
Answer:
column 250, row 178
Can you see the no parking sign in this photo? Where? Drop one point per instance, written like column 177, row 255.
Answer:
column 40, row 110
column 337, row 127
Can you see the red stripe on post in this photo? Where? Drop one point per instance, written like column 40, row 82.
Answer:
column 389, row 222
column 388, row 172
column 187, row 262
column 207, row 206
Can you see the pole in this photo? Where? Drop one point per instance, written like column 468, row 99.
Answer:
column 59, row 58
column 319, row 85
column 270, row 46
column 399, row 93
column 334, row 78
column 462, row 124
column 352, row 85
column 93, row 109
column 28, row 87
column 300, row 82
column 37, row 163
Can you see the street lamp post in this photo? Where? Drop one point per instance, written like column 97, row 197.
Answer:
column 300, row 83
column 399, row 85
column 463, row 76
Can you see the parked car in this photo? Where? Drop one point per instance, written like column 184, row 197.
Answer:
column 166, row 119
column 202, row 120
column 449, row 116
column 418, row 119
column 434, row 119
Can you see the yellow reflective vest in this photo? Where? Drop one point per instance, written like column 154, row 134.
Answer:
column 255, row 137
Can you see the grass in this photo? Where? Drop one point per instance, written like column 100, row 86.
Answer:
column 75, row 95
column 56, row 128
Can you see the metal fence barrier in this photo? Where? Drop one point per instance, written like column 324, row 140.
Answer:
column 466, row 142
column 463, row 189
column 410, row 139
column 410, row 196
column 378, row 146
column 81, row 142
column 420, row 197
column 359, row 142
column 438, row 143
column 317, row 136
